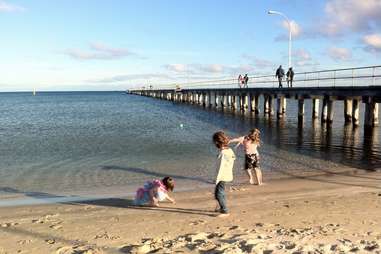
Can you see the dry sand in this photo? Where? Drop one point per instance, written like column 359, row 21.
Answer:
column 333, row 213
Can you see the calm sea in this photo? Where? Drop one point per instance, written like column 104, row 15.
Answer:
column 75, row 144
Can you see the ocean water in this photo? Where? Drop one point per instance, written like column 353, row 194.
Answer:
column 91, row 144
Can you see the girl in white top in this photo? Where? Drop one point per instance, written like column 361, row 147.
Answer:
column 250, row 143
column 225, row 163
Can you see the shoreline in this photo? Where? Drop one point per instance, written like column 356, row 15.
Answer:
column 12, row 197
column 332, row 207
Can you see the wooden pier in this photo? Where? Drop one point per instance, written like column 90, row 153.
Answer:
column 329, row 90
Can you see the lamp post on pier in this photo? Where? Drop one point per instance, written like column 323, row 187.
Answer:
column 290, row 36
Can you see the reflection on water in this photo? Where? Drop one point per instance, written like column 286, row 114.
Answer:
column 370, row 144
column 350, row 145
column 90, row 142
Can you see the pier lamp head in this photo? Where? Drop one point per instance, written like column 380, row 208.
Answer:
column 274, row 12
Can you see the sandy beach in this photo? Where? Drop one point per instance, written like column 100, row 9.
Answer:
column 142, row 127
column 330, row 213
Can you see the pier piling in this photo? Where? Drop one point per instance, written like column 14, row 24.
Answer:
column 348, row 110
column 252, row 102
column 355, row 112
column 371, row 113
column 324, row 110
column 256, row 105
column 280, row 106
column 300, row 108
column 237, row 103
column 284, row 104
column 245, row 102
column 266, row 109
column 330, row 111
column 315, row 108
column 248, row 99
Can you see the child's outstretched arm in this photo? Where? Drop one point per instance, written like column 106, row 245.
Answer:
column 237, row 140
column 170, row 199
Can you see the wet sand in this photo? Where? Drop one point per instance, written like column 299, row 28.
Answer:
column 330, row 213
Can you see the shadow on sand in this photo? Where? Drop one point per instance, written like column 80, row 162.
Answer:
column 155, row 174
column 108, row 202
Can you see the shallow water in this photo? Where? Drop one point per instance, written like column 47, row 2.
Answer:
column 108, row 143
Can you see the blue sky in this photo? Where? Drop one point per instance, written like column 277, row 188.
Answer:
column 121, row 44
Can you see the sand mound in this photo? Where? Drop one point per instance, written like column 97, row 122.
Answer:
column 262, row 239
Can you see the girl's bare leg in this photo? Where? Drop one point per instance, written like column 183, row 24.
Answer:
column 250, row 174
column 258, row 175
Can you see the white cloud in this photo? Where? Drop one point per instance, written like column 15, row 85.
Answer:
column 190, row 72
column 339, row 54
column 212, row 68
column 246, row 68
column 300, row 58
column 296, row 30
column 350, row 15
column 131, row 77
column 195, row 72
column 176, row 67
column 258, row 62
column 302, row 54
column 99, row 51
column 97, row 46
column 303, row 58
column 197, row 68
column 372, row 42
column 6, row 7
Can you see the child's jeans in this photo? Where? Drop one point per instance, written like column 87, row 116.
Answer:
column 219, row 194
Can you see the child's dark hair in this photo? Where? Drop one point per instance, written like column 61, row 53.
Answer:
column 169, row 183
column 220, row 139
column 254, row 136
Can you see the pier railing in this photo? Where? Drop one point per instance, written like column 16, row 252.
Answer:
column 352, row 85
column 356, row 77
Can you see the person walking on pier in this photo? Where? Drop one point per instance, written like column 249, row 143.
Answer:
column 245, row 81
column 290, row 77
column 279, row 74
column 250, row 143
column 240, row 81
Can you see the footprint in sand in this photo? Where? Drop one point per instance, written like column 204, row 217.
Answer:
column 46, row 218
column 56, row 226
column 197, row 222
column 50, row 241
column 51, row 216
column 38, row 221
column 89, row 207
column 107, row 236
column 22, row 242
column 78, row 250
column 115, row 219
column 237, row 189
column 8, row 224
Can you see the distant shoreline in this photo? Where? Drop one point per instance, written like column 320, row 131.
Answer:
column 69, row 91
